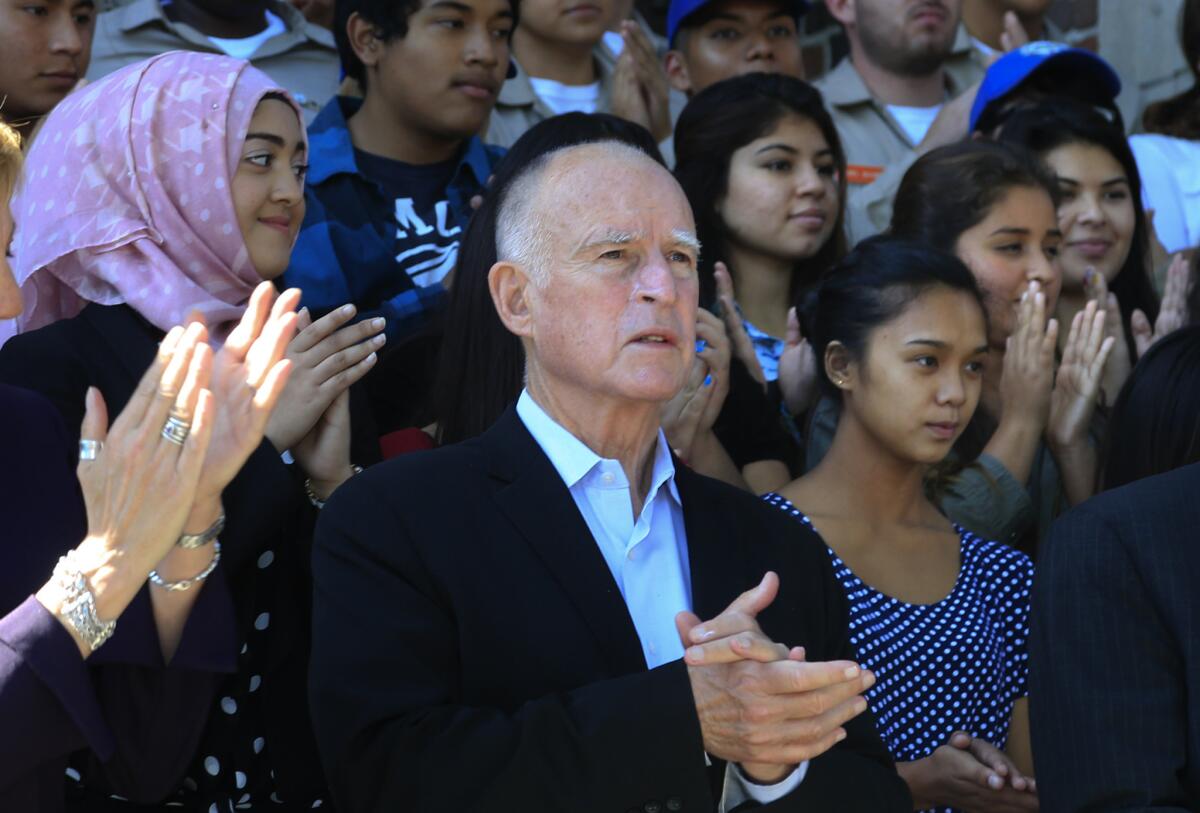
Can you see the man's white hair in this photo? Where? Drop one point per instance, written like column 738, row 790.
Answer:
column 521, row 229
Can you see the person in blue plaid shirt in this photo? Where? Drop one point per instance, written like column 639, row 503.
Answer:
column 392, row 174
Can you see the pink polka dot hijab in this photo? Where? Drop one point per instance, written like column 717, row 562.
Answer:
column 126, row 195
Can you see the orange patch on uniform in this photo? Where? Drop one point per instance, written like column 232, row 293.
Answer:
column 861, row 175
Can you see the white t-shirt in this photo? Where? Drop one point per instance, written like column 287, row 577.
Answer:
column 567, row 98
column 244, row 48
column 1170, row 170
column 915, row 121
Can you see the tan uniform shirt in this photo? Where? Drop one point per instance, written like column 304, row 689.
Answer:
column 303, row 59
column 519, row 107
column 878, row 152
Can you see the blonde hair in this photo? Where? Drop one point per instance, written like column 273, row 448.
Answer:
column 10, row 158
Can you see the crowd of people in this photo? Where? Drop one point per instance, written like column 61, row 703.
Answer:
column 497, row 405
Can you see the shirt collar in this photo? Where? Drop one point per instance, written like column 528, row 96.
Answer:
column 143, row 12
column 572, row 458
column 331, row 150
column 518, row 90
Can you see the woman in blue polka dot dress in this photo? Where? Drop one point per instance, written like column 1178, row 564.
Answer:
column 938, row 614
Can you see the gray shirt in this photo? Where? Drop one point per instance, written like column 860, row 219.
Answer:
column 303, row 59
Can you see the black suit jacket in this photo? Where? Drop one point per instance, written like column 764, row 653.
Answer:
column 471, row 651
column 1115, row 651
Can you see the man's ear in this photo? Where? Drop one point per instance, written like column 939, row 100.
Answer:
column 842, row 10
column 677, row 73
column 510, row 287
column 840, row 366
column 364, row 39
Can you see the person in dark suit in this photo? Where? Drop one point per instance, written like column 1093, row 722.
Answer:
column 1115, row 655
column 513, row 623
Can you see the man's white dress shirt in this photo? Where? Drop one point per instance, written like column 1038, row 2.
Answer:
column 648, row 557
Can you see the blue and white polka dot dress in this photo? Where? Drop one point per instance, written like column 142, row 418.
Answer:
column 956, row 665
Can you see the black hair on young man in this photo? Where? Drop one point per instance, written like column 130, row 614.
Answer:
column 390, row 19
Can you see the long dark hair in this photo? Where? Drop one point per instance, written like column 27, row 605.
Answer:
column 719, row 121
column 948, row 191
column 871, row 286
column 1047, row 127
column 1155, row 425
column 952, row 189
column 481, row 367
column 1179, row 116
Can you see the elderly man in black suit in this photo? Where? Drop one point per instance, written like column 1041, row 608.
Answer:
column 1115, row 652
column 513, row 623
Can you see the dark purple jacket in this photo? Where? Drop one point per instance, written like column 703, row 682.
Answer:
column 140, row 718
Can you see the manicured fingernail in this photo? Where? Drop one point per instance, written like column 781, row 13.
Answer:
column 379, row 340
column 378, row 323
column 868, row 680
column 371, row 359
column 695, row 654
column 701, row 634
column 346, row 310
column 708, row 380
column 851, row 673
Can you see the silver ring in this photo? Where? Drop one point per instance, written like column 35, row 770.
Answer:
column 176, row 430
column 88, row 449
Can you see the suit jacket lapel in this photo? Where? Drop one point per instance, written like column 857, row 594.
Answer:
column 537, row 502
column 715, row 552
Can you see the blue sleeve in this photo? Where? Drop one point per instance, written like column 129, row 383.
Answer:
column 314, row 267
column 1016, row 576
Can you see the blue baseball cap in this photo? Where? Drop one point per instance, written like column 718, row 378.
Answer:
column 680, row 10
column 1014, row 68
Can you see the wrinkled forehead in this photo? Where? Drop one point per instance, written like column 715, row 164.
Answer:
column 584, row 191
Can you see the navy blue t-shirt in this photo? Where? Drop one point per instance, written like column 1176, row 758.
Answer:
column 426, row 229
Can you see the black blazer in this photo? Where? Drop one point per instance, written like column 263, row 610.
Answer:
column 471, row 651
column 110, row 347
column 1115, row 651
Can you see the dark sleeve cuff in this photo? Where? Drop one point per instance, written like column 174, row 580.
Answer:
column 208, row 643
column 41, row 642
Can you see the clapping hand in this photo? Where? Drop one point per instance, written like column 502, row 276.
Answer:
column 743, row 347
column 761, row 704
column 969, row 773
column 694, row 410
column 797, row 369
column 640, row 90
column 1028, row 372
column 1077, row 385
column 249, row 375
column 1172, row 312
column 329, row 356
column 1120, row 365
column 1076, row 392
column 138, row 486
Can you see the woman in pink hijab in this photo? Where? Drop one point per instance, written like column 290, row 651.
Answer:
column 166, row 191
